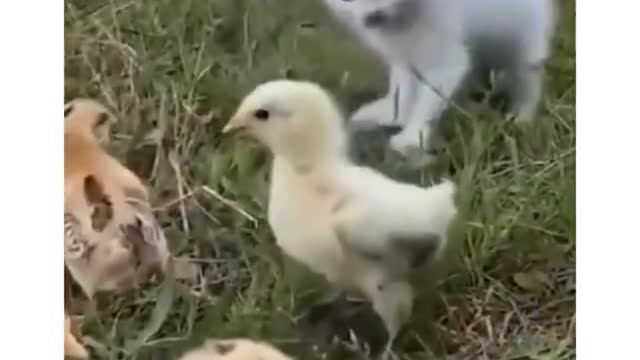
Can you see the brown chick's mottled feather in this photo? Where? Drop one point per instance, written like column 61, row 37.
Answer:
column 112, row 240
column 235, row 349
column 72, row 347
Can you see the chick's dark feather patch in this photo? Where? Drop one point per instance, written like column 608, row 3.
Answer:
column 419, row 249
column 93, row 190
column 102, row 212
column 101, row 215
column 224, row 348
column 74, row 245
column 352, row 246
column 133, row 238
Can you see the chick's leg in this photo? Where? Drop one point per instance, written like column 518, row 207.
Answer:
column 393, row 301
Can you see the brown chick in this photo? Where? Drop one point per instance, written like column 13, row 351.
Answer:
column 72, row 347
column 235, row 349
column 112, row 240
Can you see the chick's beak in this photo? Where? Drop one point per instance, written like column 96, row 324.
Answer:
column 234, row 125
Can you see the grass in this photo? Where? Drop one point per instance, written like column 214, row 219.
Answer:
column 172, row 71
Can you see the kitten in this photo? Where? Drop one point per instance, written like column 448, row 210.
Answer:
column 432, row 46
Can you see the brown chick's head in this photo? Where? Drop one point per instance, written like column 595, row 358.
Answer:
column 112, row 240
column 235, row 349
column 88, row 118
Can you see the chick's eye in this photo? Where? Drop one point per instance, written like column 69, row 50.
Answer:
column 261, row 114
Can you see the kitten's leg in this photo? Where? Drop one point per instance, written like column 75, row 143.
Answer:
column 480, row 80
column 391, row 109
column 430, row 104
column 405, row 96
column 524, row 92
column 524, row 76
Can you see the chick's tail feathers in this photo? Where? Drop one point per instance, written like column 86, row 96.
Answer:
column 442, row 211
column 424, row 235
column 447, row 188
column 440, row 203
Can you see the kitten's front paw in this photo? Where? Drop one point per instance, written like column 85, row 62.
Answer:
column 522, row 115
column 406, row 143
column 413, row 146
column 372, row 115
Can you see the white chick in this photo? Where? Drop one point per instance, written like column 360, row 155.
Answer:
column 112, row 240
column 235, row 349
column 357, row 227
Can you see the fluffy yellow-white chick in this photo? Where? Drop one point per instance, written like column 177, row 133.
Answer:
column 359, row 228
column 112, row 240
column 72, row 347
column 235, row 349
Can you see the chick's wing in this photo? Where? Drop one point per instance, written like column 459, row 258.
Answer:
column 386, row 221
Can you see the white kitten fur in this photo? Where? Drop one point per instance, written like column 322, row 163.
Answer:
column 441, row 41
